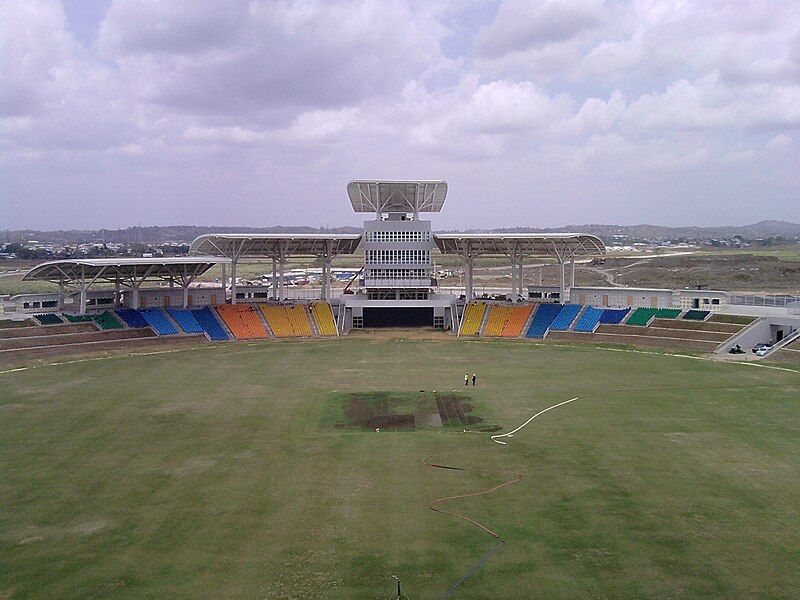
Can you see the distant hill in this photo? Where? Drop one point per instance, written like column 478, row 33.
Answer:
column 186, row 233
column 762, row 229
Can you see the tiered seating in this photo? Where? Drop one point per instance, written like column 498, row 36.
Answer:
column 668, row 313
column 613, row 316
column 641, row 316
column 242, row 320
column 132, row 317
column 473, row 318
column 288, row 321
column 498, row 317
column 107, row 321
column 298, row 317
column 565, row 318
column 323, row 318
column 696, row 315
column 516, row 322
column 278, row 320
column 78, row 318
column 185, row 320
column 545, row 315
column 589, row 320
column 206, row 319
column 48, row 319
column 158, row 321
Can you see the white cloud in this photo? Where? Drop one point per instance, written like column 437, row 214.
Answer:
column 780, row 141
column 524, row 24
column 708, row 103
column 218, row 98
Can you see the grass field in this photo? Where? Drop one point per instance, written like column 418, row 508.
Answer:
column 218, row 473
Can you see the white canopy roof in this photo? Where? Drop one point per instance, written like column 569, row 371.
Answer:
column 275, row 245
column 561, row 245
column 122, row 269
column 396, row 196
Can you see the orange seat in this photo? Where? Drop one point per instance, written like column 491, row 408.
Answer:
column 242, row 320
column 516, row 321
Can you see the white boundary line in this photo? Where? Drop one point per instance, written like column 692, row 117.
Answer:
column 541, row 412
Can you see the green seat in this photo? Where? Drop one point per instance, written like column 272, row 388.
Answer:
column 668, row 313
column 107, row 321
column 641, row 316
column 78, row 318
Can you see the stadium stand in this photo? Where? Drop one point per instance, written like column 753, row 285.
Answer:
column 48, row 319
column 565, row 318
column 39, row 330
column 206, row 319
column 78, row 318
column 544, row 316
column 278, row 320
column 107, row 321
column 517, row 321
column 158, row 321
column 613, row 316
column 298, row 317
column 242, row 320
column 73, row 338
column 696, row 315
column 589, row 320
column 473, row 318
column 288, row 321
column 132, row 317
column 323, row 318
column 185, row 320
column 668, row 313
column 498, row 317
column 641, row 316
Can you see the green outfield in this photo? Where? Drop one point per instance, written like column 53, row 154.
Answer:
column 252, row 471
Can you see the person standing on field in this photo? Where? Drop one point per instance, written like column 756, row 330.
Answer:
column 466, row 378
column 474, row 378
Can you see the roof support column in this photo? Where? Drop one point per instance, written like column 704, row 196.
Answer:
column 224, row 278
column 470, row 261
column 117, row 295
column 572, row 272
column 233, row 279
column 520, row 279
column 326, row 279
column 274, row 278
column 281, row 268
column 561, row 281
column 185, row 287
column 61, row 295
column 134, row 297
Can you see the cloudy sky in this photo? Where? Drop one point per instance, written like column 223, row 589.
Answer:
column 537, row 112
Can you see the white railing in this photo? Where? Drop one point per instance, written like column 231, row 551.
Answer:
column 770, row 300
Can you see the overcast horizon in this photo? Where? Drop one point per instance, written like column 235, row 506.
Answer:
column 537, row 113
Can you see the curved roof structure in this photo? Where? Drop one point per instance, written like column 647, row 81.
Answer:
column 275, row 245
column 122, row 269
column 560, row 245
column 386, row 196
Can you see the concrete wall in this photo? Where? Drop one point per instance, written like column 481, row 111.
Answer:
column 613, row 297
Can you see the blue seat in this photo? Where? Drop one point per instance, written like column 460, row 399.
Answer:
column 565, row 317
column 132, row 317
column 158, row 321
column 614, row 316
column 209, row 323
column 185, row 319
column 589, row 320
column 544, row 316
